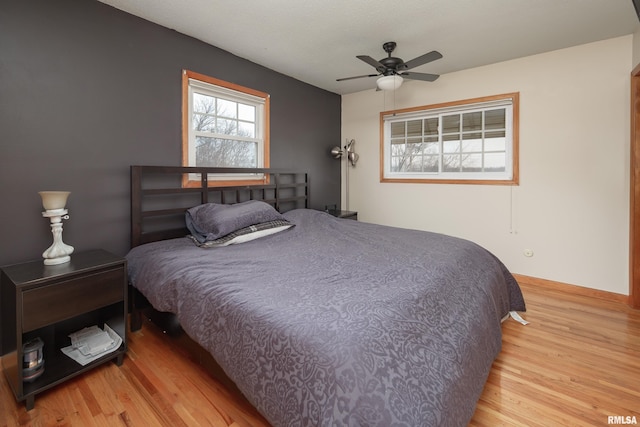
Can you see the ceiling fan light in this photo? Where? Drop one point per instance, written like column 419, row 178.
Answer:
column 392, row 82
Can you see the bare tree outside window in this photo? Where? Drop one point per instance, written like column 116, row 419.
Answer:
column 465, row 146
column 218, row 117
column 224, row 125
column 472, row 140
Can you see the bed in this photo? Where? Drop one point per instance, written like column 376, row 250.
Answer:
column 328, row 321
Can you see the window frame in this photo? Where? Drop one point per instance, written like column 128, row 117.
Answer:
column 454, row 107
column 222, row 88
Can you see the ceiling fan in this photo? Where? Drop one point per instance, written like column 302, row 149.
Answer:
column 393, row 69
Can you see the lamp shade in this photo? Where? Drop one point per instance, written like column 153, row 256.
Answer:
column 389, row 82
column 351, row 154
column 53, row 200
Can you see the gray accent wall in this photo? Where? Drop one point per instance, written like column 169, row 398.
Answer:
column 87, row 90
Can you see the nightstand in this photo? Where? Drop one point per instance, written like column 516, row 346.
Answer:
column 343, row 214
column 49, row 303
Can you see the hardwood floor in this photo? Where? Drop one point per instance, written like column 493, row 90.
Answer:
column 576, row 363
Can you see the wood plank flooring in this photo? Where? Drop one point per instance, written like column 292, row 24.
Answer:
column 575, row 364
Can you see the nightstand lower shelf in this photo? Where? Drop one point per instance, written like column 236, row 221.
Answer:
column 57, row 370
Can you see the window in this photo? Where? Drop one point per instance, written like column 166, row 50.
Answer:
column 473, row 142
column 224, row 125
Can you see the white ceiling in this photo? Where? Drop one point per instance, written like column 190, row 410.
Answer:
column 317, row 41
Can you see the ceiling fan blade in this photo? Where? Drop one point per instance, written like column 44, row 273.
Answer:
column 423, row 59
column 420, row 76
column 369, row 60
column 356, row 77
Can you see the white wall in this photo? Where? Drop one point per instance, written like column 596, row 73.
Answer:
column 572, row 205
column 636, row 48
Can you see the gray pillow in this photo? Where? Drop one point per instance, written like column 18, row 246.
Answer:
column 211, row 221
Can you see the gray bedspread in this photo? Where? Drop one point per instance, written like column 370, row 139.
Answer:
column 340, row 323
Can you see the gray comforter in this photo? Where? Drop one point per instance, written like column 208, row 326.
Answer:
column 340, row 323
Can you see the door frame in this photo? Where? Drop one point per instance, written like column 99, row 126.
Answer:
column 634, row 193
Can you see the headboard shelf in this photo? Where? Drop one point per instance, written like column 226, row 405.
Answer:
column 159, row 196
column 162, row 212
column 156, row 191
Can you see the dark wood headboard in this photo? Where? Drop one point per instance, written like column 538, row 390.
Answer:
column 159, row 196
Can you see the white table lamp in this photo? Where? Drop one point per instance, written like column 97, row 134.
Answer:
column 54, row 203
